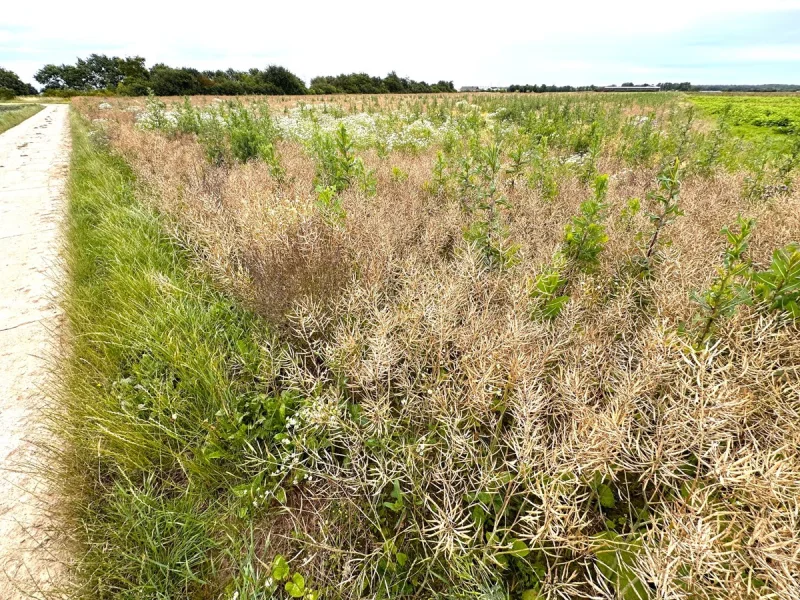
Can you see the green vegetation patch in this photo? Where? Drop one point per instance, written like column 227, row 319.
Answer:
column 754, row 115
column 166, row 387
column 14, row 114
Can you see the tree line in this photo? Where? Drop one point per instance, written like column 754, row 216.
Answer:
column 130, row 77
column 539, row 89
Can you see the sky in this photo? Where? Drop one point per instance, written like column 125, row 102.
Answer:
column 495, row 43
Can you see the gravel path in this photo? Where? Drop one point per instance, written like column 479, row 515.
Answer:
column 33, row 163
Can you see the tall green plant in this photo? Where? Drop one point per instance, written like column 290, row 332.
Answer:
column 488, row 232
column 585, row 235
column 546, row 292
column 337, row 164
column 729, row 289
column 668, row 209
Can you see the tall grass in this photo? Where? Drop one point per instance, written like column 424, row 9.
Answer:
column 12, row 115
column 157, row 398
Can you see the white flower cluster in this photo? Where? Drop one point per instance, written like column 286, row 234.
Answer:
column 396, row 131
column 150, row 119
column 322, row 412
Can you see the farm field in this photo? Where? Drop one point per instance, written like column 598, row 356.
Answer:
column 446, row 346
column 753, row 115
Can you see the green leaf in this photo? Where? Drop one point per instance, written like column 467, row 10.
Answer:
column 397, row 494
column 554, row 307
column 280, row 568
column 606, row 496
column 519, row 549
column 296, row 586
column 531, row 594
column 616, row 556
column 478, row 515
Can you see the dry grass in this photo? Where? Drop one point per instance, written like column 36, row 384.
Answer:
column 422, row 368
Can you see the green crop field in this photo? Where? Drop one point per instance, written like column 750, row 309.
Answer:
column 753, row 114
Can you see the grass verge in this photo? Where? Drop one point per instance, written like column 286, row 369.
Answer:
column 16, row 114
column 153, row 406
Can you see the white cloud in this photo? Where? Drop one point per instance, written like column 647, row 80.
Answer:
column 485, row 43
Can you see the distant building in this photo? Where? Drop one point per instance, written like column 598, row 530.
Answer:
column 630, row 88
column 475, row 88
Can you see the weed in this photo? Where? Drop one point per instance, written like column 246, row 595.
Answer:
column 585, row 236
column 544, row 175
column 337, row 165
column 779, row 285
column 487, row 233
column 330, row 206
column 729, row 289
column 519, row 160
column 642, row 140
column 545, row 292
column 669, row 185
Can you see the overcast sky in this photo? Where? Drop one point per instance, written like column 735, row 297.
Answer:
column 498, row 42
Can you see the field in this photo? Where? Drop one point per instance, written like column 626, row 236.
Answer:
column 14, row 114
column 753, row 115
column 444, row 346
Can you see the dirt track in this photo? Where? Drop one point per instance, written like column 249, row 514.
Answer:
column 33, row 161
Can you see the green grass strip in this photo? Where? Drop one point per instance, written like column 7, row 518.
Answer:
column 11, row 115
column 154, row 411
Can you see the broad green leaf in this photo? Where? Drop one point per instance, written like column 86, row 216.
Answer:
column 280, row 568
column 519, row 549
column 478, row 516
column 616, row 556
column 296, row 586
column 554, row 307
column 606, row 496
